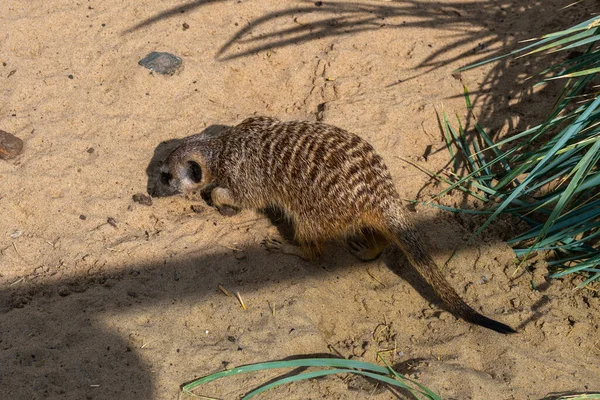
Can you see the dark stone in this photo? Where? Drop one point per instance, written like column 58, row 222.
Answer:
column 10, row 145
column 142, row 199
column 162, row 63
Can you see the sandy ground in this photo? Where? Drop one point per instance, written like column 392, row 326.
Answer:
column 131, row 311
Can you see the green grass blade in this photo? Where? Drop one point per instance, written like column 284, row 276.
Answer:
column 448, row 140
column 308, row 362
column 582, row 284
column 577, row 74
column 317, row 374
column 590, row 39
column 582, row 169
column 567, row 39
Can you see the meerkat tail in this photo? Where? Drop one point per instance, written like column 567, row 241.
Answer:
column 403, row 233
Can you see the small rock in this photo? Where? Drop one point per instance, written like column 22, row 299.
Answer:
column 10, row 145
column 197, row 208
column 143, row 199
column 16, row 234
column 185, row 26
column 162, row 63
column 112, row 222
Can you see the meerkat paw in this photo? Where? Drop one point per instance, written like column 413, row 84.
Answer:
column 274, row 245
column 223, row 200
column 228, row 211
column 360, row 248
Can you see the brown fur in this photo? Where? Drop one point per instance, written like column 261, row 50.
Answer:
column 329, row 183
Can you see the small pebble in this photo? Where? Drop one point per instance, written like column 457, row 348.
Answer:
column 90, row 150
column 82, row 217
column 197, row 208
column 142, row 198
column 112, row 222
column 16, row 234
column 162, row 63
column 185, row 26
column 10, row 145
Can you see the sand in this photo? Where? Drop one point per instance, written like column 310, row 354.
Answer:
column 131, row 309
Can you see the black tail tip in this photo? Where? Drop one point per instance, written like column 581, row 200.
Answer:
column 493, row 325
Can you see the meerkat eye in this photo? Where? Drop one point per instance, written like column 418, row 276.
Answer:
column 195, row 172
column 165, row 178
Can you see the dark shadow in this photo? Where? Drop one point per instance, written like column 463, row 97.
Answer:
column 45, row 343
column 397, row 262
column 283, row 225
column 341, row 18
column 537, row 313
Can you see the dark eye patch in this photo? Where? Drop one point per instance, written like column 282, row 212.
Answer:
column 165, row 178
column 195, row 172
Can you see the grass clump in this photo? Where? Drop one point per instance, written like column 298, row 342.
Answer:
column 547, row 175
column 327, row 366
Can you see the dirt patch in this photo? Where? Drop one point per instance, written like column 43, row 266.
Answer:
column 104, row 295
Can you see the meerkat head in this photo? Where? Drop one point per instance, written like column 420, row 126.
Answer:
column 184, row 171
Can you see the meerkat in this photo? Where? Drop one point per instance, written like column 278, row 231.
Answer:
column 328, row 182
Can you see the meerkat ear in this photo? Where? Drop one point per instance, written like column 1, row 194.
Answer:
column 194, row 171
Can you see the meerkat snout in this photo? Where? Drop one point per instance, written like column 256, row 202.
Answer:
column 165, row 178
column 185, row 170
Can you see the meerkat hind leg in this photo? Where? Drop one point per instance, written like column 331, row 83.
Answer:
column 223, row 200
column 367, row 245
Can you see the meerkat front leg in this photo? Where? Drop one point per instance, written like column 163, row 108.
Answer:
column 224, row 202
column 307, row 251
